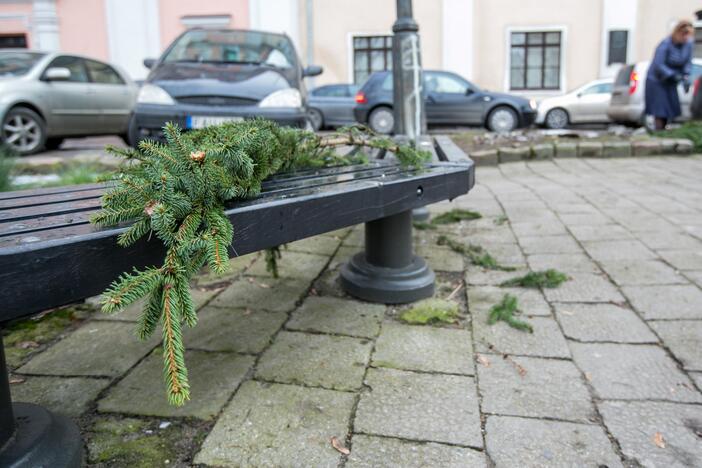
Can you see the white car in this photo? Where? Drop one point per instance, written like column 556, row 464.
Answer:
column 587, row 104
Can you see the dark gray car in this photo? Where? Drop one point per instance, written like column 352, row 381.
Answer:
column 332, row 105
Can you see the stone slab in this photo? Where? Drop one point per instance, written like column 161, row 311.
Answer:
column 584, row 287
column 233, row 330
column 603, row 232
column 608, row 251
column 385, row 452
column 70, row 396
column 549, row 245
column 320, row 245
column 275, row 295
column 292, row 264
column 278, row 425
column 546, row 388
column 97, row 348
column 213, row 378
column 641, row 272
column 542, row 151
column 531, row 301
column 633, row 372
column 683, row 259
column 507, row 154
column 478, row 276
column 424, row 348
column 616, row 149
column 338, row 316
column 567, row 263
column 528, row 443
column 635, row 424
column 684, row 339
column 666, row 302
column 418, row 406
column 441, row 259
column 484, row 157
column 334, row 362
column 566, row 150
column 645, row 147
column 590, row 149
column 602, row 322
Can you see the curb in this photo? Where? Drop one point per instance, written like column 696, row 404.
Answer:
column 584, row 149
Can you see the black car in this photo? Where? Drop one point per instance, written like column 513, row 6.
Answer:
column 696, row 104
column 210, row 76
column 449, row 99
column 332, row 105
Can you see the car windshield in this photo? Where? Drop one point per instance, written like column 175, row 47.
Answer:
column 17, row 63
column 233, row 47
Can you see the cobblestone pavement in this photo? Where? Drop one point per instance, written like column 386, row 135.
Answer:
column 611, row 375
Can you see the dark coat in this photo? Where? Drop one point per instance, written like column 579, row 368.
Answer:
column 670, row 64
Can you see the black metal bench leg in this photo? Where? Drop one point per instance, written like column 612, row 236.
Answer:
column 31, row 436
column 388, row 271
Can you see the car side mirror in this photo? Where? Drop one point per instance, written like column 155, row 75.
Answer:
column 149, row 63
column 579, row 95
column 57, row 74
column 312, row 70
column 469, row 91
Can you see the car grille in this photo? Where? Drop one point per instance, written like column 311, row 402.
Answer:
column 223, row 101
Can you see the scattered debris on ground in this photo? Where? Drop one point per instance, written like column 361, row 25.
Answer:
column 538, row 279
column 504, row 311
column 449, row 217
column 431, row 311
column 475, row 253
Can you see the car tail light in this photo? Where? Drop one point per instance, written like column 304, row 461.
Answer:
column 361, row 98
column 696, row 87
column 633, row 82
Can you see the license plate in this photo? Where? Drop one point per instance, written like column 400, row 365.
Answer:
column 202, row 121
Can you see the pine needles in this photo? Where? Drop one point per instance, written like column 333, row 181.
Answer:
column 538, row 279
column 504, row 311
column 475, row 253
column 177, row 192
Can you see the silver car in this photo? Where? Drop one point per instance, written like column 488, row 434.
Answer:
column 45, row 97
column 332, row 105
column 587, row 104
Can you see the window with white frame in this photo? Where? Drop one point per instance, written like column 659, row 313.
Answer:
column 371, row 54
column 617, row 47
column 535, row 60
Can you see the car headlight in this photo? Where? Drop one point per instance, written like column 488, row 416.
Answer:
column 289, row 97
column 532, row 103
column 152, row 94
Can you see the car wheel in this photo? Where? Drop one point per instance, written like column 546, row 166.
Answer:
column 556, row 119
column 133, row 133
column 316, row 119
column 381, row 120
column 24, row 131
column 53, row 143
column 502, row 119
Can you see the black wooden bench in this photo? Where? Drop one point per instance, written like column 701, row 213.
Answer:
column 50, row 256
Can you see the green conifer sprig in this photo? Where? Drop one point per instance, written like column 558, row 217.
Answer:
column 177, row 192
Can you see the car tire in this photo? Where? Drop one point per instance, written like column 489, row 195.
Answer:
column 556, row 119
column 502, row 119
column 132, row 133
column 24, row 131
column 381, row 120
column 53, row 143
column 316, row 119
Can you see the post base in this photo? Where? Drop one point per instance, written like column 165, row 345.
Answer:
column 387, row 285
column 420, row 214
column 42, row 439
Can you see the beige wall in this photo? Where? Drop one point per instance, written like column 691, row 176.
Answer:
column 336, row 20
column 656, row 18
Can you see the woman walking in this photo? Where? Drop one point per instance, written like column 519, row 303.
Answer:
column 670, row 66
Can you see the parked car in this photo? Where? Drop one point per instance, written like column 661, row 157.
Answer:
column 449, row 99
column 696, row 104
column 46, row 97
column 629, row 90
column 332, row 105
column 586, row 104
column 210, row 76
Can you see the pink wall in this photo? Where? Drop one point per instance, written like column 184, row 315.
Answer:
column 82, row 27
column 14, row 26
column 171, row 11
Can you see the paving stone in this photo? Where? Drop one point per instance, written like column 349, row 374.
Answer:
column 633, row 372
column 523, row 443
column 607, row 251
column 69, row 396
column 237, row 330
column 505, row 254
column 590, row 149
column 237, row 266
column 546, row 388
column 684, row 146
column 428, row 407
column 278, row 425
column 645, row 147
column 441, row 259
column 666, row 302
column 526, row 229
column 275, row 295
column 584, row 287
column 641, row 272
column 584, row 219
column 320, row 245
column 132, row 313
column 683, row 259
column 567, row 263
column 684, row 339
column 602, row 322
column 357, row 238
column 697, row 378
column 635, row 424
column 484, row 157
column 666, row 240
column 476, row 275
column 384, row 452
column 549, row 245
column 507, row 154
column 213, row 378
column 542, row 151
column 292, row 265
column 335, row 362
column 616, row 149
column 588, row 232
column 97, row 348
column 546, row 341
column 695, row 277
column 531, row 301
column 338, row 316
column 424, row 348
column 566, row 150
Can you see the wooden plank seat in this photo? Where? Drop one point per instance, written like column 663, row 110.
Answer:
column 50, row 255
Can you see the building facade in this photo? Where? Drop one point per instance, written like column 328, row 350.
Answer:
column 531, row 47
